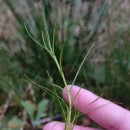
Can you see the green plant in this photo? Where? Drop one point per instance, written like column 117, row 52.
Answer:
column 50, row 49
column 35, row 112
column 110, row 76
column 34, row 61
column 33, row 58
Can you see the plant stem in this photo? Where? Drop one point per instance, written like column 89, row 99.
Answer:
column 69, row 111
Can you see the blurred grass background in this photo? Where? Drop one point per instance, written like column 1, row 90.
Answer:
column 79, row 24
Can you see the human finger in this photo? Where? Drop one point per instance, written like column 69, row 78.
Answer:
column 61, row 126
column 103, row 112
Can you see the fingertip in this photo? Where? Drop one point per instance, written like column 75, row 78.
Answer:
column 70, row 88
column 61, row 126
column 54, row 126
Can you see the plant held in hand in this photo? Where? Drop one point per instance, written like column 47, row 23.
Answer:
column 49, row 46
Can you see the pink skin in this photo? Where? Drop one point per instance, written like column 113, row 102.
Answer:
column 105, row 113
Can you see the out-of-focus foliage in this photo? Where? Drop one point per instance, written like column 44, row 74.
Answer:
column 78, row 24
column 113, row 70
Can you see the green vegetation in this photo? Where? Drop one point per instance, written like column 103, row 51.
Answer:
column 53, row 39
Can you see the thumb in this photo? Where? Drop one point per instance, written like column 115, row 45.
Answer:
column 61, row 126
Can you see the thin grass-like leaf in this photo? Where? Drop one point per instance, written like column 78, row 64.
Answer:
column 82, row 63
column 53, row 40
column 43, row 40
column 94, row 109
column 61, row 55
column 47, row 33
column 63, row 111
column 95, row 100
column 57, row 97
column 57, row 86
column 32, row 37
column 77, row 93
column 45, row 88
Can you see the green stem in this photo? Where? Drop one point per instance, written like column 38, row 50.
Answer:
column 69, row 111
